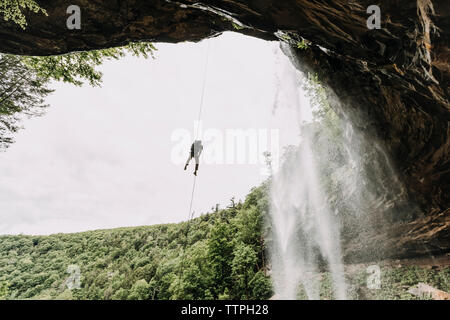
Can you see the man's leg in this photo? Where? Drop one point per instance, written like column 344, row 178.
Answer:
column 187, row 162
column 197, row 161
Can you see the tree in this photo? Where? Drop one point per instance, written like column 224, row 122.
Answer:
column 249, row 227
column 140, row 290
column 78, row 66
column 3, row 290
column 197, row 276
column 23, row 80
column 249, row 221
column 243, row 266
column 220, row 250
column 71, row 67
column 22, row 92
column 261, row 286
column 219, row 261
column 12, row 10
column 121, row 294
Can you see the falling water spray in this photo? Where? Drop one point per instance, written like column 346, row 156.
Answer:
column 334, row 178
column 303, row 225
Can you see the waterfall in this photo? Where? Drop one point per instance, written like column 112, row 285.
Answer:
column 334, row 178
column 302, row 223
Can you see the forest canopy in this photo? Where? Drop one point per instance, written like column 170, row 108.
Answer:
column 220, row 255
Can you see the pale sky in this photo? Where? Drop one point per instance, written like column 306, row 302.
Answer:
column 106, row 157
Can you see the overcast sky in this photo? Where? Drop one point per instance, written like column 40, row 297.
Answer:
column 112, row 156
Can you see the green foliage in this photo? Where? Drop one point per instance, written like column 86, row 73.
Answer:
column 396, row 281
column 261, row 285
column 326, row 287
column 318, row 96
column 220, row 250
column 285, row 37
column 249, row 226
column 243, row 269
column 302, row 45
column 222, row 260
column 24, row 80
column 13, row 10
column 293, row 39
column 78, row 66
column 3, row 289
column 140, row 290
column 326, row 134
column 197, row 275
column 236, row 26
column 22, row 93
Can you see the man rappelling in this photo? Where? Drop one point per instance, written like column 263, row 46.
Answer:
column 197, row 147
column 196, row 150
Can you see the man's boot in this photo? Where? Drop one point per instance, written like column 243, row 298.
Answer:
column 196, row 169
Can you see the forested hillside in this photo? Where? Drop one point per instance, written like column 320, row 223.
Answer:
column 224, row 259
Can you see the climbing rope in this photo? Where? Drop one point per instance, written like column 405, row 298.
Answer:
column 191, row 213
column 205, row 74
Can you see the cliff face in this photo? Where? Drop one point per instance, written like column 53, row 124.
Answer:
column 392, row 83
